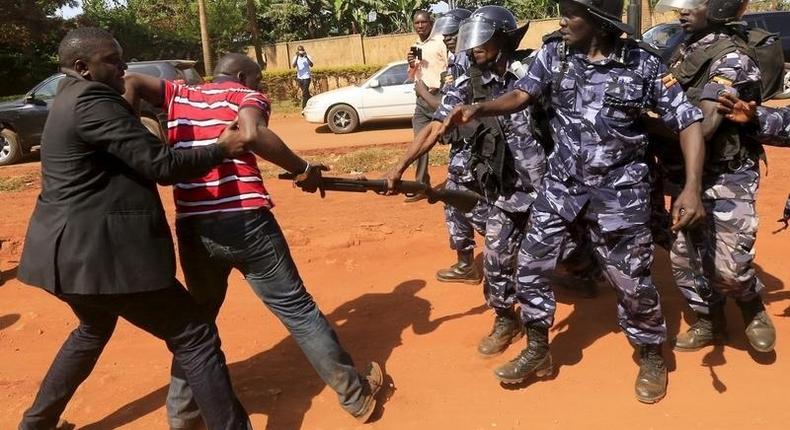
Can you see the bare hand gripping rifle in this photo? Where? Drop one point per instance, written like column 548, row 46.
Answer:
column 464, row 201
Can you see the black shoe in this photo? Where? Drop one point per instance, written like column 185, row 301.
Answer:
column 709, row 329
column 759, row 328
column 535, row 359
column 651, row 382
column 373, row 382
column 506, row 330
column 464, row 270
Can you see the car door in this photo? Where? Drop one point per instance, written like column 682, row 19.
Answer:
column 33, row 114
column 389, row 94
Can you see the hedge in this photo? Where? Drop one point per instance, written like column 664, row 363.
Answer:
column 281, row 84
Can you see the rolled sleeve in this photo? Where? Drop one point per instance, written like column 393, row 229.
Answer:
column 539, row 74
column 671, row 104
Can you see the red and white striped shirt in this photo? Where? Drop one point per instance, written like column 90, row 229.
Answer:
column 197, row 116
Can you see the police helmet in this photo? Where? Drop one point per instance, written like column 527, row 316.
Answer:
column 486, row 21
column 449, row 22
column 608, row 11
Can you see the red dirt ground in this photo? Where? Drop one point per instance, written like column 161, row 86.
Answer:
column 370, row 261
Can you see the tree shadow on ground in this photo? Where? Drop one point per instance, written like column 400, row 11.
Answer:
column 280, row 382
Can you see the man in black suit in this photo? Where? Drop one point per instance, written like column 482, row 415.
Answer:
column 99, row 241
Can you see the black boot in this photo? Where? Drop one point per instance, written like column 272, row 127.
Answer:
column 651, row 383
column 759, row 329
column 506, row 330
column 709, row 329
column 536, row 359
column 464, row 270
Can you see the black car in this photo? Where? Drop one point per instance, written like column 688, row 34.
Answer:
column 22, row 120
column 667, row 36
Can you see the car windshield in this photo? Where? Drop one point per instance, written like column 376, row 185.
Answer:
column 660, row 35
column 395, row 75
column 48, row 89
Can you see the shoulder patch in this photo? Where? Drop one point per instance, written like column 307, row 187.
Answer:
column 668, row 80
column 722, row 80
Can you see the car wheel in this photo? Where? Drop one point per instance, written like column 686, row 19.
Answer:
column 342, row 119
column 785, row 94
column 154, row 127
column 10, row 151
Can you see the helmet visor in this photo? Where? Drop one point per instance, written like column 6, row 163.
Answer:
column 675, row 5
column 473, row 33
column 445, row 25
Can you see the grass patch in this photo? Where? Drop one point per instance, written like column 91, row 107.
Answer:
column 286, row 106
column 17, row 183
column 359, row 161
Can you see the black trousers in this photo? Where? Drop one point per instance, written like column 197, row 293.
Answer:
column 170, row 315
column 304, row 85
column 423, row 115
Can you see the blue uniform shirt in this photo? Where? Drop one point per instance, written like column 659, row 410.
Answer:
column 600, row 144
column 529, row 157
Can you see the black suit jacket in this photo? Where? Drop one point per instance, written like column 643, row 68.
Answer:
column 99, row 226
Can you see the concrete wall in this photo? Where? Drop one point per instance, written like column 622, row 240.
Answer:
column 355, row 49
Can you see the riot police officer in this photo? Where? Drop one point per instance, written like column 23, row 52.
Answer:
column 506, row 162
column 461, row 226
column 715, row 260
column 596, row 85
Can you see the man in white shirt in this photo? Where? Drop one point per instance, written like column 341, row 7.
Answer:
column 302, row 63
column 427, row 60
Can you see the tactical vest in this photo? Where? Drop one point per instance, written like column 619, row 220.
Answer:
column 491, row 161
column 727, row 146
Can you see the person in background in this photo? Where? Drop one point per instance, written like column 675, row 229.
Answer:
column 427, row 61
column 302, row 63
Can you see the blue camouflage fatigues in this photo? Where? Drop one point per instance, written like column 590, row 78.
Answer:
column 597, row 175
column 774, row 126
column 718, row 261
column 461, row 226
column 507, row 217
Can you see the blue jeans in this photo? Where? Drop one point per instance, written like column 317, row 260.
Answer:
column 252, row 242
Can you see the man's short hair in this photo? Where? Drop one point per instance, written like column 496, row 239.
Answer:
column 421, row 12
column 80, row 44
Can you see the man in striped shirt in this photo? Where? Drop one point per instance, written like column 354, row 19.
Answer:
column 224, row 221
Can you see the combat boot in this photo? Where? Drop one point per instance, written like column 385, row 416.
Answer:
column 709, row 329
column 759, row 329
column 506, row 330
column 535, row 359
column 651, row 382
column 464, row 270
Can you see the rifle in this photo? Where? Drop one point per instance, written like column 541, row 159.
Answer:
column 464, row 201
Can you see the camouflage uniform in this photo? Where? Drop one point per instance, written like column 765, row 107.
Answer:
column 718, row 262
column 507, row 216
column 597, row 175
column 461, row 226
column 774, row 126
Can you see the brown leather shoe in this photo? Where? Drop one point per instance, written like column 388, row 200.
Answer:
column 759, row 328
column 507, row 329
column 761, row 333
column 651, row 382
column 374, row 379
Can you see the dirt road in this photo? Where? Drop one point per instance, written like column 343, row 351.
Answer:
column 370, row 263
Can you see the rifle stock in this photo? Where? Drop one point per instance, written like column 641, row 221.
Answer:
column 462, row 200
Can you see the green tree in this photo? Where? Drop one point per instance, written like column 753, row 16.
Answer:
column 29, row 39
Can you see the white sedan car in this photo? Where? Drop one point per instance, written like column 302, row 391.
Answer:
column 387, row 94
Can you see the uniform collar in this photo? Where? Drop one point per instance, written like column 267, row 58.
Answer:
column 617, row 56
